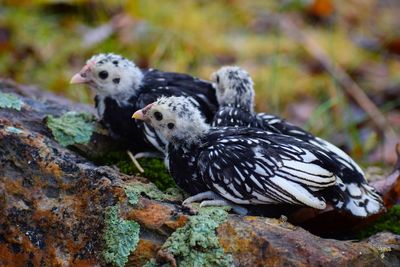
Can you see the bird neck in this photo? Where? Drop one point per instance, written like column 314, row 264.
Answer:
column 191, row 135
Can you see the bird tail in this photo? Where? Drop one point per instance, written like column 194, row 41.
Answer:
column 360, row 199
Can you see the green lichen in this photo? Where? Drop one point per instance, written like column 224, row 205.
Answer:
column 196, row 243
column 72, row 128
column 14, row 130
column 134, row 190
column 154, row 169
column 10, row 101
column 388, row 222
column 151, row 263
column 121, row 237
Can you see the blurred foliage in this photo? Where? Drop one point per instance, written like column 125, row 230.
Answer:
column 46, row 42
column 388, row 222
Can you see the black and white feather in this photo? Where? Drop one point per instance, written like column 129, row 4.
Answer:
column 235, row 95
column 122, row 88
column 240, row 164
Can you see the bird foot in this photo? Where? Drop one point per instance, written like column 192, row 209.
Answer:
column 214, row 200
column 200, row 196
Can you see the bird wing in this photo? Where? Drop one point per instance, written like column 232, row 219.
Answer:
column 277, row 124
column 350, row 171
column 257, row 168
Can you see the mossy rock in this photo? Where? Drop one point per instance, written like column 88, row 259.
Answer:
column 154, row 168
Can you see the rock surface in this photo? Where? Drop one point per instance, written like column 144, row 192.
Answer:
column 60, row 209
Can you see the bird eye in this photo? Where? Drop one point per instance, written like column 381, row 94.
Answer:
column 170, row 125
column 103, row 74
column 158, row 115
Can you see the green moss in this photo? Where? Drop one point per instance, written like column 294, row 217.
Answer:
column 121, row 237
column 134, row 190
column 154, row 169
column 196, row 243
column 72, row 128
column 10, row 101
column 388, row 222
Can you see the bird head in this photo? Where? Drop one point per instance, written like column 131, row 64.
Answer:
column 109, row 74
column 234, row 87
column 177, row 119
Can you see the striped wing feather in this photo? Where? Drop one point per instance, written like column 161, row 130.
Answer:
column 264, row 169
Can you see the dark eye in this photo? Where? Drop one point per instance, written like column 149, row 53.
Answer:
column 103, row 74
column 217, row 79
column 170, row 125
column 158, row 115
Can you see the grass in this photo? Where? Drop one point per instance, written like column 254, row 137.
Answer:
column 47, row 49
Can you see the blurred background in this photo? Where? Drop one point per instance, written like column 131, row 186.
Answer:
column 311, row 60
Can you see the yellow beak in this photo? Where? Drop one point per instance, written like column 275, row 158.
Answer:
column 138, row 115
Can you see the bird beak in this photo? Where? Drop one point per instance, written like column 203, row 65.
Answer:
column 81, row 77
column 141, row 113
column 138, row 115
column 77, row 78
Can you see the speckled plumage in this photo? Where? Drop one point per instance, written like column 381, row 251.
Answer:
column 127, row 88
column 360, row 198
column 243, row 165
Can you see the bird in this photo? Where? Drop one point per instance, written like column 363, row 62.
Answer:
column 121, row 88
column 239, row 166
column 235, row 95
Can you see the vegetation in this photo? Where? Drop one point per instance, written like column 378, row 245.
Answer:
column 388, row 222
column 154, row 169
column 56, row 38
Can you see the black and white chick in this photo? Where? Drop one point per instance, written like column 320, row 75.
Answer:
column 122, row 88
column 235, row 94
column 241, row 165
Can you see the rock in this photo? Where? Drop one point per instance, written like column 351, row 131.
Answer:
column 258, row 241
column 60, row 209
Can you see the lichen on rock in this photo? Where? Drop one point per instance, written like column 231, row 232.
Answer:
column 121, row 237
column 10, row 101
column 134, row 190
column 72, row 127
column 196, row 243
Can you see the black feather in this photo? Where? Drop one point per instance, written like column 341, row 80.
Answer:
column 117, row 114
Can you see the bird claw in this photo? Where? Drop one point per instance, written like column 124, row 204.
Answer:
column 200, row 196
column 213, row 200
